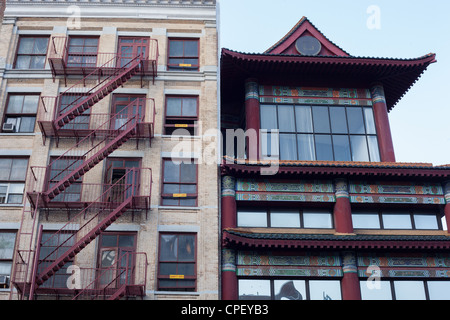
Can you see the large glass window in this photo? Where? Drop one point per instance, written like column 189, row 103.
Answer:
column 406, row 290
column 31, row 53
column 177, row 262
column 397, row 220
column 289, row 289
column 328, row 133
column 284, row 218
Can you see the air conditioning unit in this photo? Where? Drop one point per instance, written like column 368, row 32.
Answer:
column 4, row 282
column 8, row 127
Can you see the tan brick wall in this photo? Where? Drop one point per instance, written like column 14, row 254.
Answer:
column 204, row 219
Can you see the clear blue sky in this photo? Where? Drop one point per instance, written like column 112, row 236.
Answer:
column 420, row 123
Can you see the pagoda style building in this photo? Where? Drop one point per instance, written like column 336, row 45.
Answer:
column 316, row 206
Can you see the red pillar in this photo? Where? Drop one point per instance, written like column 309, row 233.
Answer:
column 380, row 112
column 342, row 208
column 252, row 117
column 350, row 282
column 447, row 205
column 229, row 220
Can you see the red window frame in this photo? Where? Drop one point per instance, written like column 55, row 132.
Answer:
column 178, row 281
column 31, row 54
column 183, row 62
column 180, row 198
column 174, row 122
column 70, row 194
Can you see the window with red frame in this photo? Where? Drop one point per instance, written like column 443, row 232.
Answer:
column 177, row 267
column 183, row 55
column 60, row 168
column 20, row 115
column 181, row 115
column 31, row 53
column 82, row 52
column 179, row 183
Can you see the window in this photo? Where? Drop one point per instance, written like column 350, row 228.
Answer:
column 82, row 52
column 177, row 270
column 407, row 290
column 116, row 182
column 284, row 218
column 328, row 133
column 179, row 183
column 20, row 113
column 66, row 102
column 130, row 48
column 54, row 246
column 59, row 169
column 183, row 55
column 7, row 241
column 31, row 53
column 12, row 180
column 115, row 265
column 289, row 289
column 181, row 113
column 384, row 219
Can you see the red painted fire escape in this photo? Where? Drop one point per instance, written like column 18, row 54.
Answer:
column 99, row 205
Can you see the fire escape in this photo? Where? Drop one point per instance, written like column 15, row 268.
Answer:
column 91, row 207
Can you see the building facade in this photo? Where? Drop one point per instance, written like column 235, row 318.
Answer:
column 315, row 206
column 104, row 194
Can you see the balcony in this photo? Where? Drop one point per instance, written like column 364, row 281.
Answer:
column 66, row 61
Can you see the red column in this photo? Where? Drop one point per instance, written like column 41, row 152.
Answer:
column 229, row 220
column 380, row 112
column 447, row 205
column 350, row 282
column 342, row 208
column 252, row 116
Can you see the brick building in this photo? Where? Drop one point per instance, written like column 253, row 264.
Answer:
column 96, row 199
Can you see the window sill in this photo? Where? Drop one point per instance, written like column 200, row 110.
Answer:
column 177, row 293
column 26, row 134
column 178, row 208
column 11, row 205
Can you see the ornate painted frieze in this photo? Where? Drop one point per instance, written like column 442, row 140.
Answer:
column 315, row 96
column 408, row 265
column 398, row 192
column 302, row 190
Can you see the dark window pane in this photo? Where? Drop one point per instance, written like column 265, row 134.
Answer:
column 171, row 172
column 323, row 148
column 321, row 120
column 173, row 107
column 176, row 48
column 303, row 119
column 189, row 107
column 269, row 117
column 19, row 169
column 341, row 147
column 23, row 62
column 288, row 147
column 359, row 148
column 355, row 120
column 166, row 269
column 186, row 269
column 168, row 247
column 306, row 149
column 109, row 240
column 373, row 149
column 186, row 247
column 26, row 45
column 286, row 119
column 126, row 241
column 191, row 49
column 370, row 121
column 188, row 173
column 5, row 169
column 338, row 120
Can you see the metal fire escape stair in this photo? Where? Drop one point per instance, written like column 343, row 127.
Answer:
column 84, row 241
column 96, row 94
column 106, row 215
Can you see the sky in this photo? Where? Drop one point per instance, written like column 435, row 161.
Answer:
column 420, row 122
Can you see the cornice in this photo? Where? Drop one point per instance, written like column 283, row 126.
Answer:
column 158, row 3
